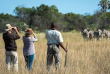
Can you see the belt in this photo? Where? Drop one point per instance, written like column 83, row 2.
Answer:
column 54, row 44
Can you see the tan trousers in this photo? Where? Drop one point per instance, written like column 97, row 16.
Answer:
column 11, row 56
column 53, row 51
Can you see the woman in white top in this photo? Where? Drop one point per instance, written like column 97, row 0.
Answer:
column 28, row 48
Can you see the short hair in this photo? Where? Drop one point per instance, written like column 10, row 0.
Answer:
column 53, row 25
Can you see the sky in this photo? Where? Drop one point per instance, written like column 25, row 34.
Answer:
column 64, row 6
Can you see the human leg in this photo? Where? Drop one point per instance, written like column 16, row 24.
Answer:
column 15, row 61
column 57, row 57
column 49, row 57
column 31, row 58
column 8, row 60
column 26, row 61
column 29, row 61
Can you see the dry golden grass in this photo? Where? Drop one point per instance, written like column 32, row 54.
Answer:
column 84, row 57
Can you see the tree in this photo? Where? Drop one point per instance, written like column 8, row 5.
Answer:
column 26, row 14
column 105, row 20
column 75, row 21
column 105, row 5
column 5, row 19
column 21, row 26
column 48, row 15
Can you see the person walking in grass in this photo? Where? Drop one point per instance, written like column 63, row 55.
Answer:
column 54, row 39
column 28, row 48
column 11, row 47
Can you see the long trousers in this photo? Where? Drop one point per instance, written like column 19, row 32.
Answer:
column 29, row 61
column 11, row 57
column 53, row 51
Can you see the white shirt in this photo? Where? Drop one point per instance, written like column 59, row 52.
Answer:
column 53, row 37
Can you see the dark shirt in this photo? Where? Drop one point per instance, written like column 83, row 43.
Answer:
column 9, row 40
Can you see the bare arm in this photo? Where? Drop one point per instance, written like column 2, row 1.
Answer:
column 61, row 44
column 16, row 31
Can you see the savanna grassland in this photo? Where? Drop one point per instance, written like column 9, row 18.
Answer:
column 84, row 57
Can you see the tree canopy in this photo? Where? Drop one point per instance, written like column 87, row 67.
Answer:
column 40, row 18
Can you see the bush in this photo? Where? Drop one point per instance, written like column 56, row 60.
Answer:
column 21, row 26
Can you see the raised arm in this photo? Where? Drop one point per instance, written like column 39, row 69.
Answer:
column 16, row 31
column 35, row 37
column 17, row 35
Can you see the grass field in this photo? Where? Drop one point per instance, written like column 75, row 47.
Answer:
column 84, row 57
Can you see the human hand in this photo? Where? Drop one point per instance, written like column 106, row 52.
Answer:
column 33, row 32
column 66, row 50
column 14, row 28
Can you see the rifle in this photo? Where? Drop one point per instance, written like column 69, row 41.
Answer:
column 66, row 55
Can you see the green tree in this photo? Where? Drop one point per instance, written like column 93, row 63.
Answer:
column 105, row 20
column 75, row 21
column 26, row 14
column 104, row 4
column 5, row 19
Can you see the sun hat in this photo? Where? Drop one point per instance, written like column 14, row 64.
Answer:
column 28, row 32
column 8, row 27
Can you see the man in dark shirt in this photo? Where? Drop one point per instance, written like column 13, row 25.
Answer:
column 11, row 47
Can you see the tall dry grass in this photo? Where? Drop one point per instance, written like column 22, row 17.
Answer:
column 84, row 57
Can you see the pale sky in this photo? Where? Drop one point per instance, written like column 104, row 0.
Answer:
column 64, row 6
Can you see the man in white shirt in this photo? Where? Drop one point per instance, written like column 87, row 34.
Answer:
column 54, row 39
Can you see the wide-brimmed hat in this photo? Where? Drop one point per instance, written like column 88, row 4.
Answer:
column 8, row 27
column 29, row 31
